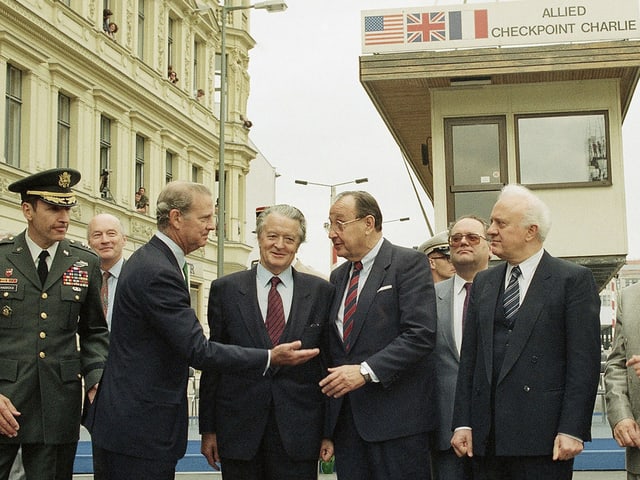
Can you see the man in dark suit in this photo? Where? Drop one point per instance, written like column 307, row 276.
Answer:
column 383, row 332
column 106, row 237
column 50, row 298
column 140, row 416
column 469, row 250
column 530, row 359
column 267, row 427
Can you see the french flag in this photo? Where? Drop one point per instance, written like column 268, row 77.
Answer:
column 468, row 24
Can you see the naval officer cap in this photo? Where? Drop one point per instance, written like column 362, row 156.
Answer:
column 51, row 186
column 438, row 243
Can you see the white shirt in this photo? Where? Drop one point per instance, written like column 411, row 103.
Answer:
column 528, row 269
column 459, row 294
column 285, row 289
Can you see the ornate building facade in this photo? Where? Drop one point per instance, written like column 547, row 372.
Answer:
column 87, row 84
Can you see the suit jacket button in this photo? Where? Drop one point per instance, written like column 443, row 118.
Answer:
column 43, row 335
column 42, row 354
column 526, row 388
column 44, row 295
column 43, row 315
column 534, row 359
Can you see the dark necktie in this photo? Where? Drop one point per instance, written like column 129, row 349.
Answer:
column 43, row 270
column 511, row 299
column 275, row 313
column 104, row 292
column 350, row 304
column 467, row 287
column 185, row 271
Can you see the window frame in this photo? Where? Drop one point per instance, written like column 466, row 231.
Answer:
column 560, row 184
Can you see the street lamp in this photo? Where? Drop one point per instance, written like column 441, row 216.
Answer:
column 401, row 219
column 333, row 257
column 269, row 6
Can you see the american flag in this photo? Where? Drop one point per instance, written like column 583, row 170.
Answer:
column 383, row 29
column 426, row 27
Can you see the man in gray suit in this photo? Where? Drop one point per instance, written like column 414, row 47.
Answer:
column 621, row 382
column 470, row 254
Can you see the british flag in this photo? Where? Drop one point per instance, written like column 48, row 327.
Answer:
column 426, row 27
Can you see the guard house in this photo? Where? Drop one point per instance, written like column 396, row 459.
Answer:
column 481, row 95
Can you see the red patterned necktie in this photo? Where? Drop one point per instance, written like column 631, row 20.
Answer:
column 275, row 313
column 467, row 287
column 104, row 292
column 350, row 304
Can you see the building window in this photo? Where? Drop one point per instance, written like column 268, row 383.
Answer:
column 170, row 34
column 195, row 174
column 563, row 149
column 168, row 167
column 64, row 130
column 13, row 117
column 140, row 156
column 218, row 82
column 476, row 157
column 105, row 155
column 141, row 31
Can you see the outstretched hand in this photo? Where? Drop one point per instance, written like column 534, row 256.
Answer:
column 292, row 354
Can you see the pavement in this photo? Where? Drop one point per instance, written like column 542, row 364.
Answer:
column 599, row 454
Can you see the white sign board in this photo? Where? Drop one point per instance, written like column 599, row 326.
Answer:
column 498, row 24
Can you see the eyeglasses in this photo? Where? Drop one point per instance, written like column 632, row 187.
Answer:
column 472, row 238
column 338, row 226
column 441, row 257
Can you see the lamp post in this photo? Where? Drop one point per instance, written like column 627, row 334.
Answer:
column 401, row 219
column 270, row 6
column 333, row 257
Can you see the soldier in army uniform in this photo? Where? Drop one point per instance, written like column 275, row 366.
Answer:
column 49, row 292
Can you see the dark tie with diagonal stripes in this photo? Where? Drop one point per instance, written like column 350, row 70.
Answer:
column 511, row 300
column 350, row 304
column 275, row 313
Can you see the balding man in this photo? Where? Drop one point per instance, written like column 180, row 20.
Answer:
column 106, row 237
column 530, row 359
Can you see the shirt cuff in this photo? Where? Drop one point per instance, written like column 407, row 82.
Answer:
column 266, row 369
column 373, row 376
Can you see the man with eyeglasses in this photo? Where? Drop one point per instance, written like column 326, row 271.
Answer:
column 382, row 380
column 437, row 250
column 470, row 254
column 530, row 359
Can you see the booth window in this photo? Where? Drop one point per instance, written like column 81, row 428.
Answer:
column 563, row 149
column 475, row 153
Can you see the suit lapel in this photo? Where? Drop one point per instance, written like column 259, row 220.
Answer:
column 20, row 257
column 339, row 278
column 300, row 309
column 61, row 263
column 528, row 314
column 487, row 312
column 249, row 310
column 445, row 300
column 370, row 289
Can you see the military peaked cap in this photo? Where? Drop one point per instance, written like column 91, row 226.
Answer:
column 51, row 186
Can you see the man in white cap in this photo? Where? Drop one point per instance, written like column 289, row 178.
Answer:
column 437, row 250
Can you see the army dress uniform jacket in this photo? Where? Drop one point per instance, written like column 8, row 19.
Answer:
column 41, row 367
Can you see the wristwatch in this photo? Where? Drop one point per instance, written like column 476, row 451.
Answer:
column 365, row 374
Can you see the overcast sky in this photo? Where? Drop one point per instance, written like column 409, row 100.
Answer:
column 313, row 121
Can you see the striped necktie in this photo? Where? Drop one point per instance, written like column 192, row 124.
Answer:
column 511, row 300
column 350, row 304
column 104, row 291
column 275, row 313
